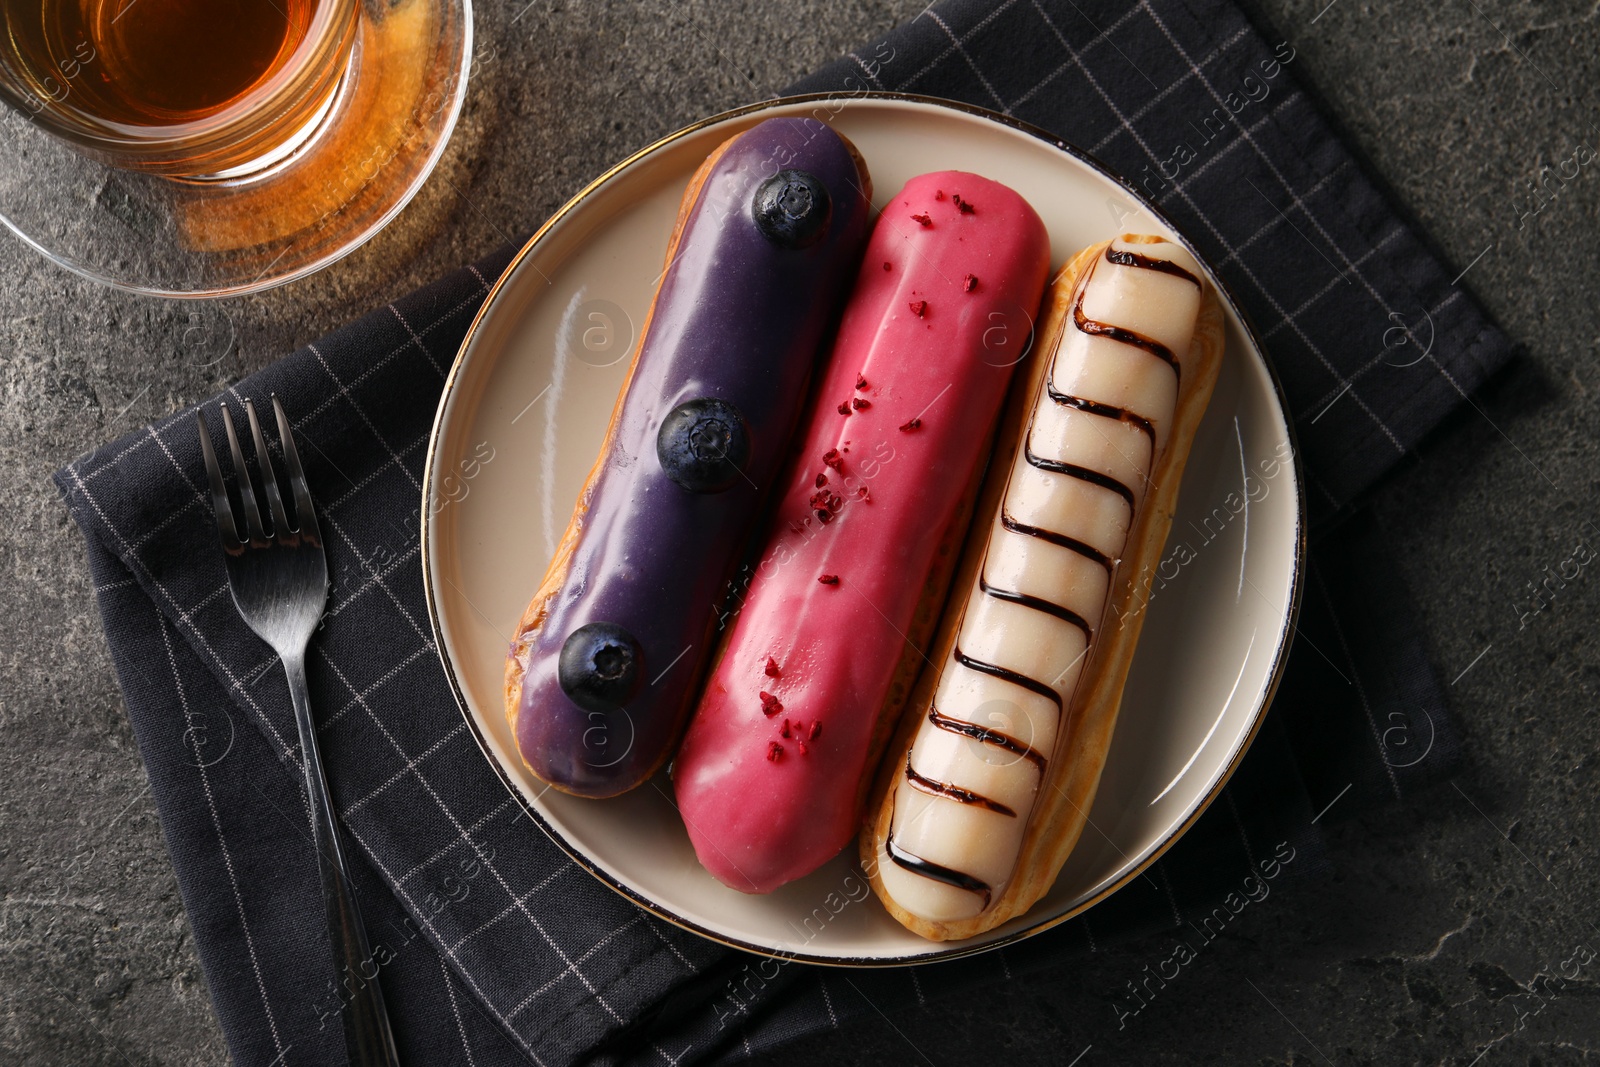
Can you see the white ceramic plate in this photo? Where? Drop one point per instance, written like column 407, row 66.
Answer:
column 521, row 423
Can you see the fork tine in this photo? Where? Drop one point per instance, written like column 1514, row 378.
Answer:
column 219, row 489
column 269, row 477
column 247, row 492
column 305, row 514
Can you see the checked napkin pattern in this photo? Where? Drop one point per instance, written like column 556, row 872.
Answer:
column 492, row 947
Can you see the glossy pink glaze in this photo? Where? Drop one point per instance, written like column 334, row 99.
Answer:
column 938, row 319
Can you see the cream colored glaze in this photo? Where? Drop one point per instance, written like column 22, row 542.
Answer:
column 1068, row 506
column 1119, row 449
column 1116, row 374
column 973, row 838
column 1059, row 575
column 1000, row 706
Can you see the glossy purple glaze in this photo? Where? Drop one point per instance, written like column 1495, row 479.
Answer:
column 739, row 318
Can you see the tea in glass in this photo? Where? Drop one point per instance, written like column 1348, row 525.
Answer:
column 179, row 87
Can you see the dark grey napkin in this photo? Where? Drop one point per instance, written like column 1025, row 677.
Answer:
column 492, row 947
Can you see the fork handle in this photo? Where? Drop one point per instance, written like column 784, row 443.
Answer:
column 369, row 1041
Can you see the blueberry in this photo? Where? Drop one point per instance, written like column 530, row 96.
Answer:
column 792, row 208
column 601, row 666
column 703, row 444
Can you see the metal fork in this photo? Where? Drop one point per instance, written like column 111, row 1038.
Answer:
column 279, row 581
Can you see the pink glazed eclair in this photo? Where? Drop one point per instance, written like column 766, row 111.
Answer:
column 771, row 778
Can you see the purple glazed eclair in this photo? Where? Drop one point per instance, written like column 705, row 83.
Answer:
column 605, row 664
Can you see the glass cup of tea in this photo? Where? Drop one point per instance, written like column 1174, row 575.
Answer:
column 223, row 145
column 177, row 87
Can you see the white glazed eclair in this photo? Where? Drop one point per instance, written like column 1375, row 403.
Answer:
column 988, row 785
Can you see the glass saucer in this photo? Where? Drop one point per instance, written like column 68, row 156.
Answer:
column 387, row 126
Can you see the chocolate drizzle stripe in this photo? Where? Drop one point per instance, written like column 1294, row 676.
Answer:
column 986, row 736
column 933, row 787
column 918, row 865
column 1124, row 258
column 1006, row 674
column 1080, row 547
column 1056, row 466
column 1119, row 333
column 1106, row 411
column 1049, row 607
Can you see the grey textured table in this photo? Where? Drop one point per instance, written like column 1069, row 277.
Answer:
column 1430, row 945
